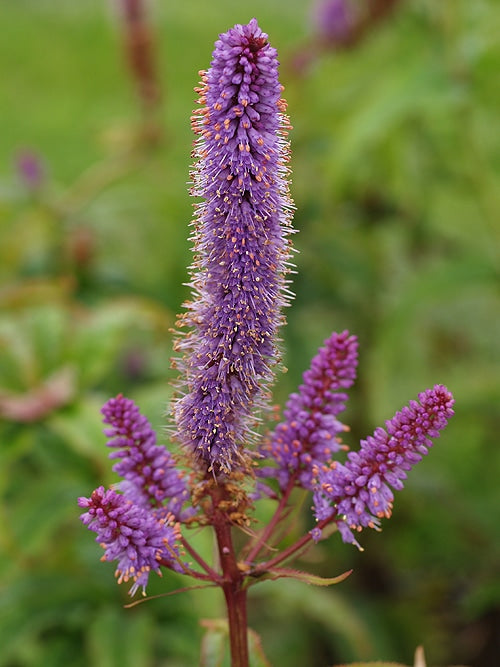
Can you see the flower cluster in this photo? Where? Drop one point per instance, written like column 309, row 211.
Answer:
column 358, row 493
column 241, row 250
column 309, row 435
column 150, row 476
column 131, row 535
column 239, row 286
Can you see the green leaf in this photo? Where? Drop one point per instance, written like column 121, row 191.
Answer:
column 214, row 643
column 215, row 646
column 80, row 427
column 120, row 639
column 306, row 577
column 257, row 656
column 103, row 332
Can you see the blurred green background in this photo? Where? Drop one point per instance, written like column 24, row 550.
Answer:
column 396, row 157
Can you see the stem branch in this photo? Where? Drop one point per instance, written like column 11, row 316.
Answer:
column 293, row 548
column 264, row 536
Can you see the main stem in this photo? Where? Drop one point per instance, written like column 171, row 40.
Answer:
column 236, row 605
column 235, row 593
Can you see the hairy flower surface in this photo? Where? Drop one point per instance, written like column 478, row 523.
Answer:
column 309, row 434
column 359, row 491
column 241, row 250
column 150, row 477
column 131, row 535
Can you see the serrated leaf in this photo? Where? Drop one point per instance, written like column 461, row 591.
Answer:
column 306, row 577
column 256, row 652
column 214, row 644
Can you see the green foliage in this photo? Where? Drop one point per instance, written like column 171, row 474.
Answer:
column 215, row 646
column 395, row 154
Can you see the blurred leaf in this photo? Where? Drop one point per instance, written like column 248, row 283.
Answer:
column 116, row 639
column 323, row 608
column 35, row 524
column 56, row 391
column 104, row 330
column 81, row 428
column 215, row 643
column 215, row 646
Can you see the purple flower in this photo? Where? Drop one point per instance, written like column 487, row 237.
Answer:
column 30, row 169
column 241, row 250
column 359, row 491
column 334, row 21
column 131, row 535
column 309, row 435
column 148, row 470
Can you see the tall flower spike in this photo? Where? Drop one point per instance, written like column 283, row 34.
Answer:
column 150, row 477
column 309, row 434
column 241, row 250
column 359, row 491
column 130, row 535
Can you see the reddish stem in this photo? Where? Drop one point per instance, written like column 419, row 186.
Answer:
column 267, row 532
column 213, row 575
column 292, row 549
column 235, row 593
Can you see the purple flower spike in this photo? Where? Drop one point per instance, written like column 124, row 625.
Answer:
column 241, row 250
column 148, row 470
column 309, row 435
column 359, row 491
column 130, row 535
column 334, row 21
column 31, row 170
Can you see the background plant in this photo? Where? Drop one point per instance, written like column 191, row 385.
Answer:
column 395, row 152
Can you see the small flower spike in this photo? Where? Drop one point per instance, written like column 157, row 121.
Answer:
column 359, row 491
column 334, row 21
column 309, row 435
column 150, row 477
column 241, row 250
column 130, row 535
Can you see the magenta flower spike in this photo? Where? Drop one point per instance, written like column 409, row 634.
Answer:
column 149, row 474
column 131, row 535
column 359, row 491
column 309, row 434
column 241, row 251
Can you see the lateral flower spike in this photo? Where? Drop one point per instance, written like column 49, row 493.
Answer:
column 150, row 477
column 359, row 492
column 130, row 535
column 310, row 433
column 241, row 252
